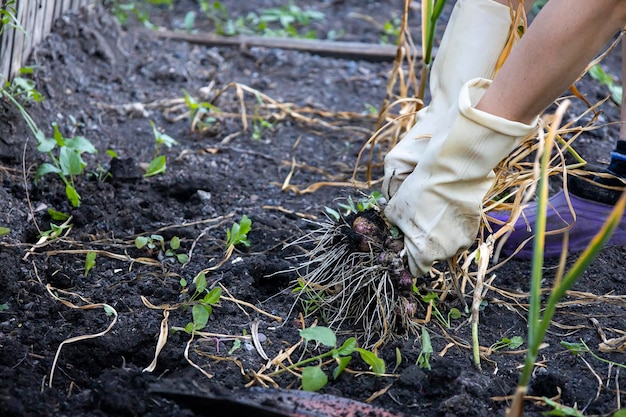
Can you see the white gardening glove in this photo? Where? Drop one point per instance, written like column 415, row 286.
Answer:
column 438, row 206
column 472, row 43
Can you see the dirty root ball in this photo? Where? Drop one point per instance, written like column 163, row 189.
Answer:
column 366, row 229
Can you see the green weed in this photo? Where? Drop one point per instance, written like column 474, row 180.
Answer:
column 55, row 230
column 512, row 343
column 8, row 17
column 158, row 165
column 351, row 207
column 312, row 300
column 431, row 299
column 124, row 10
column 202, row 302
column 190, row 21
column 315, row 377
column 238, row 233
column 284, row 21
column 90, row 261
column 57, row 215
column 391, row 31
column 597, row 73
column 23, row 88
column 66, row 159
column 201, row 113
column 580, row 348
column 560, row 409
column 4, row 231
column 423, row 360
column 156, row 244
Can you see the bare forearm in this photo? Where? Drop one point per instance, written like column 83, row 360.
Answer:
column 561, row 41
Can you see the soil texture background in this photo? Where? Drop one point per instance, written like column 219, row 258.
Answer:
column 91, row 70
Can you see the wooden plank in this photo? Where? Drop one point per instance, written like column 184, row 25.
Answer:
column 58, row 10
column 347, row 50
column 17, row 51
column 36, row 18
column 48, row 16
column 77, row 4
column 5, row 53
column 38, row 31
column 29, row 27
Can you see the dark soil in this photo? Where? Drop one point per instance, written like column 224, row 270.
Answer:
column 88, row 65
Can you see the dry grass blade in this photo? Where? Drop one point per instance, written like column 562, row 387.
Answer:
column 192, row 363
column 254, row 330
column 108, row 309
column 222, row 359
column 163, row 332
column 116, row 256
column 161, row 342
column 249, row 305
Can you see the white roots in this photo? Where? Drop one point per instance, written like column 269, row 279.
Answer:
column 366, row 290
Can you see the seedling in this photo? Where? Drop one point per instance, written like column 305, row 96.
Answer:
column 200, row 112
column 190, row 21
column 158, row 165
column 314, row 377
column 67, row 162
column 431, row 299
column 124, row 10
column 236, row 345
column 512, row 343
column 161, row 139
column 391, row 31
column 55, row 230
column 363, row 204
column 219, row 15
column 201, row 302
column 90, row 261
column 57, row 215
column 423, row 360
column 260, row 125
column 597, row 73
column 156, row 244
column 290, row 17
column 4, row 231
column 4, row 307
column 580, row 348
column 238, row 233
column 398, row 359
column 312, row 301
column 281, row 21
column 23, row 88
column 560, row 409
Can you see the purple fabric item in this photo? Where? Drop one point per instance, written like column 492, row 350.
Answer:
column 590, row 216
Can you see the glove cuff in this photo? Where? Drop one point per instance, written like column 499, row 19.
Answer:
column 470, row 95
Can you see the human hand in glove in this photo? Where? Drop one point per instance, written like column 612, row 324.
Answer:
column 438, row 205
column 467, row 50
